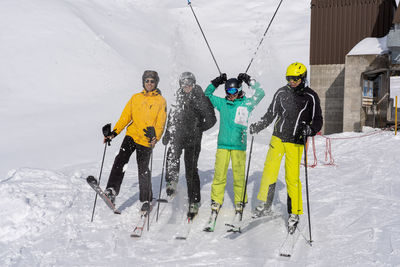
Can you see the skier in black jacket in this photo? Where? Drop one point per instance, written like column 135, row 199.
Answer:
column 296, row 108
column 191, row 115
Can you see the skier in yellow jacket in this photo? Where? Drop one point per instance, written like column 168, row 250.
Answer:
column 144, row 116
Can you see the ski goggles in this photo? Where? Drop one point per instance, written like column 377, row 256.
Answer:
column 187, row 82
column 293, row 78
column 150, row 81
column 232, row 91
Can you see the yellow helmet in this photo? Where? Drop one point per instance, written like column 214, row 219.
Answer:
column 296, row 70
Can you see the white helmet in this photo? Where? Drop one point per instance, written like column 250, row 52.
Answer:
column 187, row 78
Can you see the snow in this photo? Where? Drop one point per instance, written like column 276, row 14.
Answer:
column 69, row 67
column 370, row 46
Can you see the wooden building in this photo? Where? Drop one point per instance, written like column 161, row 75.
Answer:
column 337, row 26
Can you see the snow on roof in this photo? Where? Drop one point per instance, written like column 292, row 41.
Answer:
column 370, row 46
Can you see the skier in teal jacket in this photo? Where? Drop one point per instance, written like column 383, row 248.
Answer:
column 234, row 110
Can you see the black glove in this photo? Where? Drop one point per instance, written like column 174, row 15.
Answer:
column 108, row 135
column 150, row 133
column 243, row 77
column 219, row 80
column 107, row 130
column 305, row 129
column 166, row 138
column 256, row 127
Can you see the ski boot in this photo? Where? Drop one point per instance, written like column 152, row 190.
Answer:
column 215, row 206
column 145, row 207
column 111, row 194
column 193, row 210
column 171, row 188
column 292, row 223
column 239, row 208
column 213, row 217
column 235, row 226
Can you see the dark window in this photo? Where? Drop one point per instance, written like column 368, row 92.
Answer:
column 368, row 88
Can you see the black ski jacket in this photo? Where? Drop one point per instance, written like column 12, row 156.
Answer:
column 291, row 108
column 191, row 115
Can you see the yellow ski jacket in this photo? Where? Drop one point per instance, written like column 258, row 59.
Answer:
column 144, row 109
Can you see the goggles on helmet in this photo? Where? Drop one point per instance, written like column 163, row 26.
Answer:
column 186, row 82
column 232, row 91
column 293, row 78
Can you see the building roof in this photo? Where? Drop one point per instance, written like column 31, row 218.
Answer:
column 370, row 46
column 338, row 25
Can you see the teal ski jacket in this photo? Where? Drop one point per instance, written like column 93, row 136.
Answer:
column 234, row 116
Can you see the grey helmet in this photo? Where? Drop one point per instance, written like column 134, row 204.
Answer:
column 150, row 74
column 187, row 78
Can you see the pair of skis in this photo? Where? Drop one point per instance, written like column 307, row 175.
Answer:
column 286, row 249
column 182, row 235
column 237, row 225
column 234, row 226
column 144, row 216
column 242, row 226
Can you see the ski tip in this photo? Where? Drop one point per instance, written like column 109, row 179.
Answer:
column 91, row 178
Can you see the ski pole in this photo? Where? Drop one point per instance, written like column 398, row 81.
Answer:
column 101, row 170
column 106, row 132
column 308, row 199
column 209, row 48
column 247, row 174
column 161, row 181
column 262, row 39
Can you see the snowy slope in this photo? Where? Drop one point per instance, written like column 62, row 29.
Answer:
column 353, row 205
column 69, row 66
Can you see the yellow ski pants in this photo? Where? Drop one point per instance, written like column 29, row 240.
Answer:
column 293, row 152
column 222, row 159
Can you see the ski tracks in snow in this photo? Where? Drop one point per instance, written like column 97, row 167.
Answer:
column 34, row 202
column 356, row 203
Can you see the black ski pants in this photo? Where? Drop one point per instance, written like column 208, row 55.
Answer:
column 191, row 157
column 143, row 155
